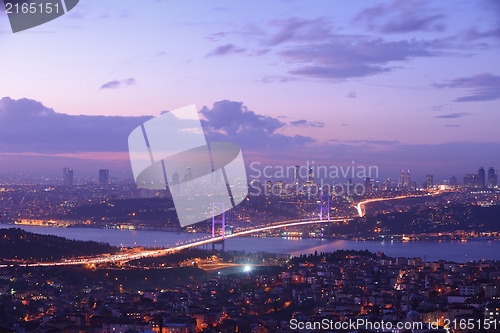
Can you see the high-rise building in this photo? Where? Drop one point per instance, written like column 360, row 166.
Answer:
column 296, row 175
column 269, row 187
column 480, row 180
column 103, row 176
column 401, row 180
column 407, row 179
column 189, row 174
column 68, row 177
column 388, row 184
column 368, row 186
column 453, row 181
column 310, row 178
column 469, row 180
column 492, row 178
column 429, row 181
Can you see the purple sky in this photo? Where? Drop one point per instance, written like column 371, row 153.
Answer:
column 397, row 84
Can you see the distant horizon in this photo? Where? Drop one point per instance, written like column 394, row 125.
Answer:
column 80, row 178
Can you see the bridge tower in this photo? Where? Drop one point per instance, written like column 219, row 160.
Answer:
column 223, row 223
column 328, row 214
column 328, row 195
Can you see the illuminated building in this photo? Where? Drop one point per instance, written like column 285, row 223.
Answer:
column 480, row 180
column 296, row 175
column 407, row 180
column 492, row 178
column 311, row 176
column 401, row 180
column 469, row 180
column 429, row 181
column 368, row 186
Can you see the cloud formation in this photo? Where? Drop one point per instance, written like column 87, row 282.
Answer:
column 115, row 84
column 491, row 7
column 305, row 123
column 453, row 115
column 352, row 94
column 225, row 50
column 402, row 16
column 481, row 87
column 349, row 57
column 216, row 36
column 234, row 122
column 29, row 126
column 299, row 30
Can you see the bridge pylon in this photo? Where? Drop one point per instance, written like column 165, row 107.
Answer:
column 223, row 225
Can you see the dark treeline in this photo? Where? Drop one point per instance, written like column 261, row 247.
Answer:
column 16, row 243
column 331, row 256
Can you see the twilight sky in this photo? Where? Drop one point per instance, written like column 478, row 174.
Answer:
column 397, row 84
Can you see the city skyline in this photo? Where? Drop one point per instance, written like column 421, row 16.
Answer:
column 338, row 81
column 295, row 177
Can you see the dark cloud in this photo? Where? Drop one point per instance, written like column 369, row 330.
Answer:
column 305, row 123
column 351, row 94
column 358, row 57
column 454, row 126
column 225, row 50
column 482, row 87
column 315, row 48
column 492, row 8
column 115, row 84
column 402, row 16
column 29, row 126
column 299, row 30
column 376, row 142
column 234, row 122
column 453, row 115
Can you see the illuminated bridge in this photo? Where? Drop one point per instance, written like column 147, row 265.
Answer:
column 124, row 257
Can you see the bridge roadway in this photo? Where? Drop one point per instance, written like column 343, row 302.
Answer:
column 160, row 252
column 360, row 207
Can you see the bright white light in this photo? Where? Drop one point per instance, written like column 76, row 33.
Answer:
column 247, row 268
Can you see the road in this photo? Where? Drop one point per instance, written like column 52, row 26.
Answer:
column 124, row 257
column 182, row 246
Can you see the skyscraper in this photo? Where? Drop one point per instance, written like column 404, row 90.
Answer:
column 311, row 176
column 368, row 185
column 469, row 180
column 480, row 180
column 189, row 174
column 453, row 181
column 401, row 180
column 429, row 181
column 407, row 179
column 296, row 175
column 103, row 176
column 492, row 178
column 67, row 177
